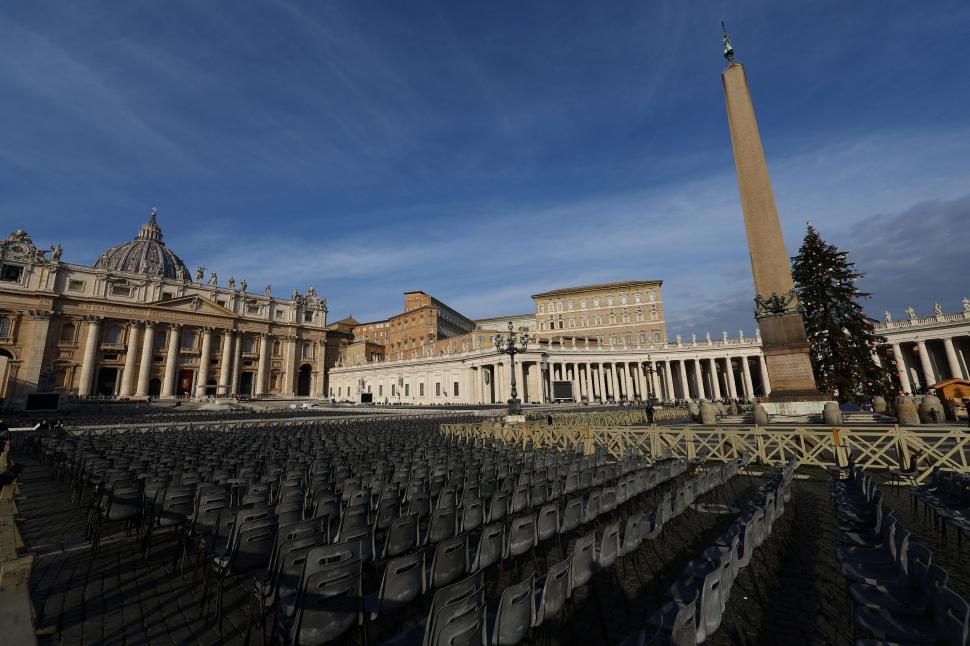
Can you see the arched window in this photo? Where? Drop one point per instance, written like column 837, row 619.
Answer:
column 249, row 344
column 113, row 334
column 277, row 348
column 67, row 333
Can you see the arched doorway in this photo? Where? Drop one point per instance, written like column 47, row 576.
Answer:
column 210, row 387
column 303, row 381
column 107, row 379
column 246, row 383
column 155, row 388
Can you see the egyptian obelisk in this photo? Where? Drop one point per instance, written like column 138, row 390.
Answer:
column 784, row 342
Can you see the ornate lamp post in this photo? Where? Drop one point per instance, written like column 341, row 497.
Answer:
column 513, row 344
column 650, row 371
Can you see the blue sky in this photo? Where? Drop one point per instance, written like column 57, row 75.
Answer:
column 486, row 151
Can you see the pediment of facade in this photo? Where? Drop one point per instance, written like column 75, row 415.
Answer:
column 191, row 305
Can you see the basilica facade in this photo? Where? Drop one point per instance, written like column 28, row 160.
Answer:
column 139, row 324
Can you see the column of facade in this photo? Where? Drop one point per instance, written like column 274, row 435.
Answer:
column 924, row 359
column 901, row 369
column 236, row 364
column 202, row 377
column 683, row 379
column 263, row 365
column 715, row 382
column 764, row 375
column 171, row 361
column 289, row 366
column 145, row 368
column 641, row 380
column 746, row 374
column 669, row 379
column 90, row 354
column 131, row 355
column 225, row 361
column 732, row 387
column 321, row 368
column 613, row 383
column 601, row 381
column 951, row 358
column 588, row 378
column 520, row 380
column 655, row 384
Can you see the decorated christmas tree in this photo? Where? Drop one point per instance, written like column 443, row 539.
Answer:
column 842, row 336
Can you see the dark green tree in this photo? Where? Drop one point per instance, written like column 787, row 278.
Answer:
column 841, row 335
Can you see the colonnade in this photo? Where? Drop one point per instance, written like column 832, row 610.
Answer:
column 928, row 359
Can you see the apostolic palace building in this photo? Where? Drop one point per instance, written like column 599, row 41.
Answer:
column 138, row 323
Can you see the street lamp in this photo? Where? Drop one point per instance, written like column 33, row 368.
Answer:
column 649, row 370
column 513, row 344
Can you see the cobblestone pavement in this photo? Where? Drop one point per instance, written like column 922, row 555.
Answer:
column 791, row 593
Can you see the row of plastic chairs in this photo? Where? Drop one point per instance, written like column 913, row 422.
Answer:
column 696, row 602
column 899, row 594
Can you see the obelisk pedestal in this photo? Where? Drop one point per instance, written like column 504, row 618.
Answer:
column 784, row 342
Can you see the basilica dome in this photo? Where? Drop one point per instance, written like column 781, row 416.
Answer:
column 146, row 254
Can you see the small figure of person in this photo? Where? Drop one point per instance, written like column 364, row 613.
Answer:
column 548, row 420
column 966, row 407
column 650, row 413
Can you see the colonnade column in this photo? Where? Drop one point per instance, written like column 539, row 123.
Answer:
column 924, row 359
column 226, row 350
column 699, row 380
column 289, row 366
column 746, row 374
column 642, row 381
column 145, row 369
column 321, row 368
column 236, row 364
column 264, row 350
column 171, row 359
column 901, row 369
column 765, row 383
column 715, row 382
column 203, row 375
column 520, row 385
column 951, row 358
column 90, row 353
column 732, row 387
column 128, row 378
column 669, row 380
column 589, row 381
column 683, row 379
column 601, row 380
column 613, row 383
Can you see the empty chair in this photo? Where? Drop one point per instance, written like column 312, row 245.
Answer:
column 491, row 546
column 498, row 507
column 441, row 525
column 401, row 536
column 402, row 582
column 515, row 614
column 547, row 522
column 609, row 547
column 520, row 500
column 521, row 536
column 552, row 590
column 584, row 560
column 450, row 561
column 632, row 536
column 472, row 514
column 328, row 603
column 572, row 516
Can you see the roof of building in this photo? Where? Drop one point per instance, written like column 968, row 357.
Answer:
column 586, row 288
column 146, row 254
column 506, row 317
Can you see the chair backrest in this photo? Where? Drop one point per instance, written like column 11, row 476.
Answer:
column 609, row 548
column 547, row 521
column 522, row 535
column 632, row 535
column 491, row 545
column 472, row 586
column 450, row 561
column 402, row 535
column 556, row 588
column 683, row 630
column 951, row 616
column 572, row 516
column 498, row 506
column 472, row 513
column 442, row 525
column 402, row 583
column 328, row 604
column 515, row 614
column 584, row 560
column 253, row 546
column 460, row 624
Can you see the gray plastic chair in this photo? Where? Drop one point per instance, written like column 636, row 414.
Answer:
column 552, row 590
column 402, row 583
column 609, row 548
column 515, row 614
column 491, row 545
column 584, row 560
column 450, row 562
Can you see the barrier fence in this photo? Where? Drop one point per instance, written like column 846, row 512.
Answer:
column 871, row 447
column 15, row 566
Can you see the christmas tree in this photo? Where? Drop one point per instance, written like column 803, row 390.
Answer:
column 842, row 337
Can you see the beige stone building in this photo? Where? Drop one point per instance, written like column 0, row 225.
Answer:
column 612, row 314
column 138, row 324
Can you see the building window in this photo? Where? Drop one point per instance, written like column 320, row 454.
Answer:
column 188, row 339
column 4, row 328
column 628, row 339
column 67, row 332
column 542, row 325
column 584, row 321
column 121, row 290
column 75, row 285
column 626, row 317
column 569, row 305
column 582, row 303
column 456, row 389
column 11, row 273
column 307, row 351
column 167, row 296
column 651, row 296
column 380, row 390
column 598, row 320
column 612, row 319
column 542, row 308
column 280, row 314
column 572, row 322
column 656, row 336
column 112, row 335
column 559, row 306
column 252, row 308
column 407, row 389
column 636, row 297
column 639, row 317
column 609, row 301
column 643, row 337
column 437, row 389
column 249, row 344
column 308, row 317
column 613, row 339
column 596, row 302
column 623, row 299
